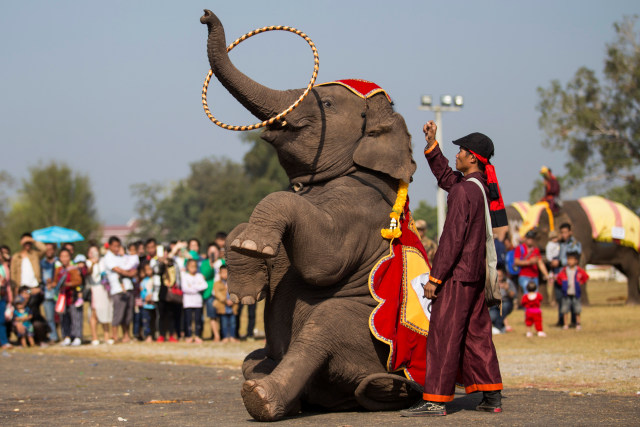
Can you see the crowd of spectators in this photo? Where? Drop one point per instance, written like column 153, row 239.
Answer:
column 521, row 269
column 142, row 292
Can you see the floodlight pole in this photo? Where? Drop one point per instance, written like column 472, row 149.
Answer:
column 441, row 199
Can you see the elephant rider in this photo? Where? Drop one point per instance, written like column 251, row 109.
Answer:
column 551, row 189
column 430, row 246
column 460, row 326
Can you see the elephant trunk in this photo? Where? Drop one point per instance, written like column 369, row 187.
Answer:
column 261, row 101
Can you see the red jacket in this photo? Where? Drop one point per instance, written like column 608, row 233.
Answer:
column 580, row 279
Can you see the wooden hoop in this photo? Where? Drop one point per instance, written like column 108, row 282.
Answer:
column 316, row 66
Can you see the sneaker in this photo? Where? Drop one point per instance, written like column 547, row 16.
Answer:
column 425, row 408
column 491, row 402
column 529, row 334
column 110, row 342
column 578, row 327
column 95, row 342
column 66, row 342
column 79, row 302
column 508, row 329
column 541, row 334
column 172, row 339
column 76, row 342
column 495, row 331
column 565, row 327
column 160, row 339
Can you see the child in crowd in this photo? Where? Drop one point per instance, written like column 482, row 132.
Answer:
column 80, row 262
column 193, row 283
column 147, row 303
column 571, row 278
column 22, row 322
column 533, row 315
column 226, row 309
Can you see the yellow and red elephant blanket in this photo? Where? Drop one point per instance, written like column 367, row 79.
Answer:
column 401, row 318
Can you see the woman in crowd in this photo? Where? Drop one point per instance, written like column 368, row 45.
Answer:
column 68, row 277
column 101, row 305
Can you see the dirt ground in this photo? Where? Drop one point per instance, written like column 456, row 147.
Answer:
column 585, row 377
column 58, row 390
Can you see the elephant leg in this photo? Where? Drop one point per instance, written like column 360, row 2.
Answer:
column 631, row 269
column 387, row 392
column 277, row 395
column 289, row 216
column 258, row 365
column 269, row 221
column 248, row 276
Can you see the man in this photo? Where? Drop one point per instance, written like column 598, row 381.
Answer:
column 551, row 189
column 158, row 267
column 528, row 258
column 119, row 274
column 25, row 272
column 210, row 269
column 568, row 244
column 25, row 265
column 460, row 343
column 48, row 266
column 430, row 246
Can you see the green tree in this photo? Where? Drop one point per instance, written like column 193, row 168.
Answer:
column 217, row 195
column 430, row 214
column 5, row 183
column 598, row 123
column 53, row 195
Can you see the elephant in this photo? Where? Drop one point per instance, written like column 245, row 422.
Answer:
column 624, row 258
column 309, row 251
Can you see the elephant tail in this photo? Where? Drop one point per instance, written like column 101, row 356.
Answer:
column 387, row 392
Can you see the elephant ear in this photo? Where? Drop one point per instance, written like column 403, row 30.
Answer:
column 386, row 144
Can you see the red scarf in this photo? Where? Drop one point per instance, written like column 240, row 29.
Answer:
column 496, row 205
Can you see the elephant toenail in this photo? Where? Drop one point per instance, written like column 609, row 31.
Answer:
column 236, row 243
column 248, row 300
column 249, row 245
column 268, row 250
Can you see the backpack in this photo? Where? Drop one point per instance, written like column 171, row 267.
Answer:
column 492, row 294
column 509, row 259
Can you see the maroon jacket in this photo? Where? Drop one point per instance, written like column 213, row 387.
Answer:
column 462, row 247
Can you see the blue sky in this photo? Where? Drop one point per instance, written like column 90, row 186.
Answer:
column 113, row 88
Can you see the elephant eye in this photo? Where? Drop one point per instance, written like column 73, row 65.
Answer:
column 327, row 103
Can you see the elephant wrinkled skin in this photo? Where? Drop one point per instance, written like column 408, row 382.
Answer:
column 309, row 252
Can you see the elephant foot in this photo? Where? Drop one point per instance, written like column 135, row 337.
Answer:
column 257, row 242
column 261, row 402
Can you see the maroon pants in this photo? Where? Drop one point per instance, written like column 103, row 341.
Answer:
column 459, row 345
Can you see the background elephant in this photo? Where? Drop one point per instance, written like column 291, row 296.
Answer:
column 309, row 251
column 624, row 258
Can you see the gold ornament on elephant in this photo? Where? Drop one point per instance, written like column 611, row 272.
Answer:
column 316, row 66
column 394, row 231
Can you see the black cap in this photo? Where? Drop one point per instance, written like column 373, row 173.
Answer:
column 573, row 254
column 478, row 143
column 531, row 234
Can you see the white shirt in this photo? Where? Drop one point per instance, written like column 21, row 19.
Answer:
column 552, row 250
column 94, row 278
column 192, row 285
column 28, row 277
column 111, row 261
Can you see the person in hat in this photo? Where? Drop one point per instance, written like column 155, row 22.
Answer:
column 551, row 189
column 528, row 258
column 460, row 340
column 430, row 246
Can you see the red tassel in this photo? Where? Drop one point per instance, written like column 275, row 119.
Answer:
column 496, row 205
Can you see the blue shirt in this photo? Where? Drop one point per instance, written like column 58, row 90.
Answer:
column 48, row 269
